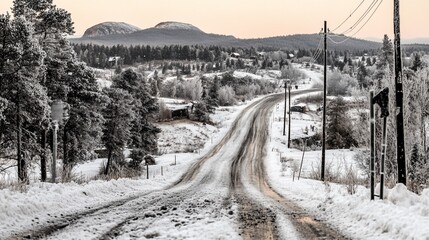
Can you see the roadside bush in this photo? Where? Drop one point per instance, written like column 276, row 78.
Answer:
column 193, row 90
column 149, row 160
column 226, row 96
column 293, row 74
column 168, row 89
column 341, row 84
column 312, row 98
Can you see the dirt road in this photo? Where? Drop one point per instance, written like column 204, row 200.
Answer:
column 225, row 191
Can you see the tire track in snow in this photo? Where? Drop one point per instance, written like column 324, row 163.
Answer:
column 249, row 178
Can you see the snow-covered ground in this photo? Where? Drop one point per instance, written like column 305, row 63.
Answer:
column 38, row 203
column 401, row 215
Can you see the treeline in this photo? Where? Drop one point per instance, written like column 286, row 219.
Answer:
column 100, row 56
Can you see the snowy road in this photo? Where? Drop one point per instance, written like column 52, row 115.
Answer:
column 224, row 195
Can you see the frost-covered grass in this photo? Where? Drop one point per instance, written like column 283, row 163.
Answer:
column 30, row 206
column 401, row 215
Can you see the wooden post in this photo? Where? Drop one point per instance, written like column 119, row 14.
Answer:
column 372, row 128
column 322, row 175
column 383, row 157
column 284, row 114
column 302, row 160
column 400, row 143
column 147, row 170
column 290, row 119
column 54, row 152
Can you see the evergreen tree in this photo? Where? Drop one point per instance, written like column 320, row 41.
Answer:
column 119, row 115
column 361, row 76
column 368, row 61
column 417, row 62
column 211, row 99
column 25, row 102
column 144, row 133
column 65, row 79
column 385, row 59
column 200, row 112
column 339, row 128
column 82, row 131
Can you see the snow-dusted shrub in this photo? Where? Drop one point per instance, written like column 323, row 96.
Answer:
column 193, row 90
column 293, row 74
column 226, row 96
column 249, row 91
column 168, row 89
column 341, row 84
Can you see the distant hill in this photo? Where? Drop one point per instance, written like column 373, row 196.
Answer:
column 170, row 33
column 109, row 28
column 177, row 25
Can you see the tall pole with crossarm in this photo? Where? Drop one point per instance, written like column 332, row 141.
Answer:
column 322, row 174
column 400, row 143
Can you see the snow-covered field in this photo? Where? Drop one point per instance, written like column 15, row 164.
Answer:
column 42, row 202
column 402, row 215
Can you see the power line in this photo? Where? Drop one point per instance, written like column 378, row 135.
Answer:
column 316, row 55
column 349, row 16
column 368, row 10
column 370, row 17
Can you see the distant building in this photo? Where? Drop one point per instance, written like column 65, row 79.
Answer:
column 180, row 111
column 113, row 61
column 302, row 108
column 235, row 55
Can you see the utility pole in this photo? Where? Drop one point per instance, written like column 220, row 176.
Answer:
column 284, row 115
column 290, row 119
column 322, row 174
column 400, row 143
column 54, row 152
column 372, row 128
column 57, row 115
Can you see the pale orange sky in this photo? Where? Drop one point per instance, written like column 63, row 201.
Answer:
column 248, row 18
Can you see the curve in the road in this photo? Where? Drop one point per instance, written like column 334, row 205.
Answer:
column 232, row 167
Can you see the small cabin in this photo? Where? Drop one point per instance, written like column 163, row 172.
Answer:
column 235, row 55
column 302, row 108
column 180, row 111
column 113, row 61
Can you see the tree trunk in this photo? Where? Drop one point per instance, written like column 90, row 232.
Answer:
column 22, row 168
column 109, row 160
column 66, row 163
column 43, row 155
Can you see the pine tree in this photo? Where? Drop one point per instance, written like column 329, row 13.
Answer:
column 66, row 79
column 200, row 112
column 119, row 115
column 339, row 128
column 361, row 76
column 385, row 59
column 144, row 133
column 25, row 101
column 82, row 131
column 212, row 98
column 417, row 62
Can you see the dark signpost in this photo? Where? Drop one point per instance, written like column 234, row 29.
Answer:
column 382, row 100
